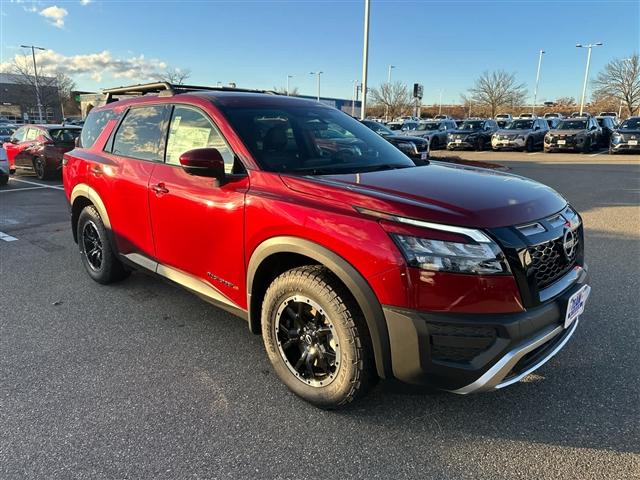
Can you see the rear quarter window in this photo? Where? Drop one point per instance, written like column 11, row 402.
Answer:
column 93, row 126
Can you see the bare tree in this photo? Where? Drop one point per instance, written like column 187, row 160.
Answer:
column 395, row 97
column 620, row 79
column 175, row 76
column 495, row 90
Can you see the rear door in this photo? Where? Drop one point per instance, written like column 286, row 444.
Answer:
column 122, row 175
column 197, row 224
column 23, row 155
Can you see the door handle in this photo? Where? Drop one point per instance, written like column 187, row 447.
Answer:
column 159, row 189
column 97, row 171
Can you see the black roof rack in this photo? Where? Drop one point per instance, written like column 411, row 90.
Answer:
column 166, row 89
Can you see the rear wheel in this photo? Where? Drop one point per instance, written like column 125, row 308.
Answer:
column 586, row 147
column 4, row 179
column 316, row 337
column 481, row 143
column 529, row 145
column 99, row 259
column 41, row 169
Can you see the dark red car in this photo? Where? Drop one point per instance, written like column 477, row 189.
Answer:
column 352, row 262
column 39, row 148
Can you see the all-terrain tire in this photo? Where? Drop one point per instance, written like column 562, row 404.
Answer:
column 356, row 372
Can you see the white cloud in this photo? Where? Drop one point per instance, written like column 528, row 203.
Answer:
column 95, row 65
column 85, row 2
column 55, row 15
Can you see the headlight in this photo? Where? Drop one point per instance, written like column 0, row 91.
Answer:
column 548, row 138
column 520, row 137
column 408, row 147
column 616, row 138
column 482, row 258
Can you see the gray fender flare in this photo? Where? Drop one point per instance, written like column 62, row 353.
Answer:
column 354, row 281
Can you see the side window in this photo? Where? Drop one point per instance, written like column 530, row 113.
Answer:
column 141, row 134
column 191, row 129
column 93, row 126
column 19, row 134
column 32, row 134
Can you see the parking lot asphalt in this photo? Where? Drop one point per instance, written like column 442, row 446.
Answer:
column 143, row 380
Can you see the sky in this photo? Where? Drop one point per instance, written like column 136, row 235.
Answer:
column 444, row 45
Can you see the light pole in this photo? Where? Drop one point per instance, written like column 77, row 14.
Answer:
column 586, row 72
column 353, row 99
column 440, row 102
column 35, row 76
column 318, row 73
column 289, row 77
column 386, row 110
column 535, row 90
column 391, row 67
column 365, row 61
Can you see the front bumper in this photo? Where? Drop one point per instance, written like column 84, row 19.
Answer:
column 464, row 144
column 466, row 353
column 507, row 143
column 623, row 147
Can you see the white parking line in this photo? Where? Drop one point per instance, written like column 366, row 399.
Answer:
column 7, row 238
column 22, row 189
column 599, row 153
column 533, row 153
column 55, row 187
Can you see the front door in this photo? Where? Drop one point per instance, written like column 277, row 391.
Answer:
column 198, row 226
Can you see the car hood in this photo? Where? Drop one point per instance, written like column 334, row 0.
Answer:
column 405, row 138
column 520, row 131
column 574, row 131
column 464, row 132
column 439, row 192
column 628, row 132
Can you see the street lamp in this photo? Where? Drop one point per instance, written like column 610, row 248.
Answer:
column 535, row 90
column 386, row 110
column 365, row 61
column 440, row 102
column 391, row 67
column 586, row 72
column 353, row 99
column 35, row 76
column 318, row 73
column 289, row 77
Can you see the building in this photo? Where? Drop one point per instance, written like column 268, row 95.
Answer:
column 18, row 101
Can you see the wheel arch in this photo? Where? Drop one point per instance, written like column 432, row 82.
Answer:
column 82, row 196
column 300, row 251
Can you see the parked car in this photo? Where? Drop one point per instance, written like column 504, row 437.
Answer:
column 351, row 261
column 608, row 125
column 608, row 114
column 442, row 117
column 505, row 117
column 553, row 115
column 6, row 131
column 473, row 134
column 39, row 148
column 459, row 123
column 416, row 148
column 626, row 138
column 528, row 115
column 553, row 122
column 576, row 133
column 521, row 134
column 403, row 125
column 435, row 131
column 578, row 114
column 4, row 167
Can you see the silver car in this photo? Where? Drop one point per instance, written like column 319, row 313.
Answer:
column 522, row 134
column 435, row 131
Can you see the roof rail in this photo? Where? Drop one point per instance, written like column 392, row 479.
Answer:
column 166, row 89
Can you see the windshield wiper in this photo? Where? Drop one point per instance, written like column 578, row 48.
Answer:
column 380, row 167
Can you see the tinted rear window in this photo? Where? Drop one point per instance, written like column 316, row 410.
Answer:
column 93, row 126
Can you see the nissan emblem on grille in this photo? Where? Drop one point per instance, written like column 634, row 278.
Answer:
column 568, row 243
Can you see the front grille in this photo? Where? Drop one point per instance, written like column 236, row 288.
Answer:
column 461, row 343
column 549, row 261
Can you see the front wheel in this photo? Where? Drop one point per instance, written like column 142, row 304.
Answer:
column 529, row 145
column 586, row 148
column 481, row 143
column 99, row 259
column 40, row 168
column 316, row 337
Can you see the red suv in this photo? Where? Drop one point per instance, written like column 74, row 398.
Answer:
column 39, row 148
column 352, row 262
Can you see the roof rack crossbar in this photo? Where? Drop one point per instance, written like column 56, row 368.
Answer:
column 167, row 89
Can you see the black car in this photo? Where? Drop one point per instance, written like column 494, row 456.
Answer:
column 473, row 133
column 576, row 133
column 608, row 126
column 627, row 137
column 415, row 148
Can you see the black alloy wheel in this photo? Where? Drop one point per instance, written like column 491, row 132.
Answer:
column 39, row 168
column 92, row 245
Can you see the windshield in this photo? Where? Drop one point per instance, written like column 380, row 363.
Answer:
column 312, row 140
column 429, row 126
column 572, row 125
column 475, row 125
column 5, row 131
column 520, row 125
column 630, row 124
column 504, row 117
column 395, row 126
column 64, row 135
column 377, row 127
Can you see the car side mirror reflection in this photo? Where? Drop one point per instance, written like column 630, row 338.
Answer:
column 204, row 162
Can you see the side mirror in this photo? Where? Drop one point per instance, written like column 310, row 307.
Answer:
column 536, row 127
column 203, row 162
